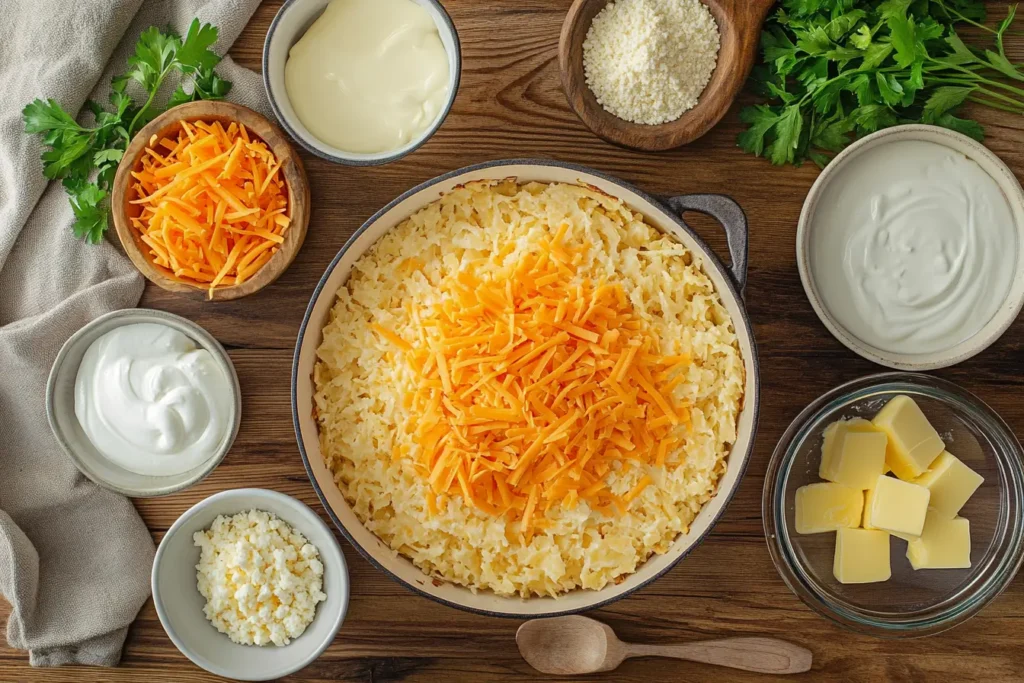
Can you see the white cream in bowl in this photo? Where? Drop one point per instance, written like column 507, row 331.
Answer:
column 350, row 75
column 910, row 247
column 913, row 247
column 369, row 76
column 152, row 401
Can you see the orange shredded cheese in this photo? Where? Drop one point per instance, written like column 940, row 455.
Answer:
column 214, row 209
column 531, row 387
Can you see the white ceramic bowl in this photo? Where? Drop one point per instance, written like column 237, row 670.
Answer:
column 1006, row 314
column 664, row 214
column 290, row 24
column 60, row 406
column 180, row 605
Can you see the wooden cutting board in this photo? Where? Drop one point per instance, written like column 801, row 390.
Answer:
column 511, row 104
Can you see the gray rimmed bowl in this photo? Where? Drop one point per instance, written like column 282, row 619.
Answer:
column 289, row 25
column 665, row 214
column 179, row 604
column 60, row 406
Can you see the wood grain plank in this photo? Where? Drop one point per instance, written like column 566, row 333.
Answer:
column 511, row 104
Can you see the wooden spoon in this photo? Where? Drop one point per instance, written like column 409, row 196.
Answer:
column 739, row 22
column 580, row 645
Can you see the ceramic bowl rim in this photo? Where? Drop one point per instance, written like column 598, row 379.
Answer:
column 306, row 512
column 707, row 254
column 339, row 156
column 994, row 328
column 193, row 331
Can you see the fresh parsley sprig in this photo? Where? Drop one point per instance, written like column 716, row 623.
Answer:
column 86, row 158
column 838, row 69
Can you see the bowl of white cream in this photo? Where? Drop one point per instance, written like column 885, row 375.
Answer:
column 144, row 402
column 910, row 247
column 362, row 82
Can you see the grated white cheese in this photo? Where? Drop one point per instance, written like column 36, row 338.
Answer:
column 261, row 579
column 648, row 61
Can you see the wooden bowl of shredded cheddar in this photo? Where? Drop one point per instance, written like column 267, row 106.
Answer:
column 210, row 201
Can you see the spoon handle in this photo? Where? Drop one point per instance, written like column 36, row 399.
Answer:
column 761, row 655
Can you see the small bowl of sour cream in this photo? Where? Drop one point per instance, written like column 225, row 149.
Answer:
column 146, row 403
column 362, row 82
column 910, row 247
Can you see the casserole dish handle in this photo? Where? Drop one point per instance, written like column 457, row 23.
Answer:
column 727, row 212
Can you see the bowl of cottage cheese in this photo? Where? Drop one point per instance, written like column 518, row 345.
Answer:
column 250, row 584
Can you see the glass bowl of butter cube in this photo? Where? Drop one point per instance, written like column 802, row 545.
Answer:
column 893, row 505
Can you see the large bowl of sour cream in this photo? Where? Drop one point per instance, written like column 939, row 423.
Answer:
column 144, row 402
column 910, row 247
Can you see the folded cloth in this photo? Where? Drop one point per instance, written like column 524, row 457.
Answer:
column 75, row 559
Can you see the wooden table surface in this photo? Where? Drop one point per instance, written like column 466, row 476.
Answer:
column 511, row 104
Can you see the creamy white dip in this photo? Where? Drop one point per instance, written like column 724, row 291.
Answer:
column 913, row 247
column 151, row 401
column 369, row 75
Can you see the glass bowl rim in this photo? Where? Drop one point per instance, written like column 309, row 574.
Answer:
column 1010, row 459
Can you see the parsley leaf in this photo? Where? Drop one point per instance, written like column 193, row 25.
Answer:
column 862, row 38
column 761, row 120
column 872, row 117
column 195, row 54
column 944, row 99
column 966, row 126
column 154, row 55
column 90, row 215
column 787, row 135
column 837, row 69
column 44, row 116
column 889, row 88
column 832, row 137
column 961, row 54
column 876, row 54
column 85, row 159
column 843, row 23
column 903, row 39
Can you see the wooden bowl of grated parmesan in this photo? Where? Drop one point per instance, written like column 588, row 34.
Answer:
column 657, row 74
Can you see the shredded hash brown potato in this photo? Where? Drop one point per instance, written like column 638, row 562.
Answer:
column 527, row 389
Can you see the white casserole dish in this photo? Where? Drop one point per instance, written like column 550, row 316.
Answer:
column 663, row 214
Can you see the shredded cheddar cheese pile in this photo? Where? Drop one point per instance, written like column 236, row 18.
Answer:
column 528, row 389
column 213, row 204
column 532, row 388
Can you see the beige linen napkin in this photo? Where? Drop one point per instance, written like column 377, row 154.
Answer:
column 74, row 559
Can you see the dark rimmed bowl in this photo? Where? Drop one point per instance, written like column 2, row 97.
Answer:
column 664, row 214
column 289, row 25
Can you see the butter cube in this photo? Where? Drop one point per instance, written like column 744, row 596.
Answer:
column 862, row 556
column 944, row 544
column 858, row 459
column 913, row 442
column 897, row 507
column 951, row 483
column 834, row 434
column 826, row 506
